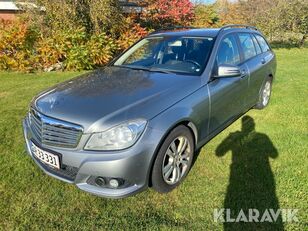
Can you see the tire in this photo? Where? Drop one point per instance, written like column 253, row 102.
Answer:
column 174, row 160
column 265, row 94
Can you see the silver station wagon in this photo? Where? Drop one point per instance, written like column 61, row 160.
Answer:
column 139, row 121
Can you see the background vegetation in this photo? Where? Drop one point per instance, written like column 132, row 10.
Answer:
column 32, row 200
column 78, row 35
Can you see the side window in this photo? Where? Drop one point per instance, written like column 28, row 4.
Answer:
column 228, row 52
column 257, row 46
column 247, row 45
column 263, row 43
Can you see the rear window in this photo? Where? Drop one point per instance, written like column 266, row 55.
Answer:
column 247, row 45
column 263, row 44
column 257, row 46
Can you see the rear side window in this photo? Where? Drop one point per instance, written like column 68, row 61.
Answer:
column 257, row 46
column 228, row 52
column 247, row 45
column 263, row 43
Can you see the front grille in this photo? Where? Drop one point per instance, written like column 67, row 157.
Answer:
column 54, row 132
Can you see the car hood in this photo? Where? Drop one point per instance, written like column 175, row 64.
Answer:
column 112, row 95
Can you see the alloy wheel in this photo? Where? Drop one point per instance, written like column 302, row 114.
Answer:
column 176, row 159
column 266, row 93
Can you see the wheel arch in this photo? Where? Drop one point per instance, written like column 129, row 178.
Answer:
column 184, row 121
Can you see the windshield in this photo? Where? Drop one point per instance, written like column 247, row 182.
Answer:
column 188, row 55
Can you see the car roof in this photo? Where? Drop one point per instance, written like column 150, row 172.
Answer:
column 187, row 32
column 202, row 32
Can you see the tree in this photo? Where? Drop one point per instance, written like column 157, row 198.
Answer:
column 95, row 16
column 229, row 12
column 293, row 18
column 166, row 13
column 281, row 20
column 205, row 15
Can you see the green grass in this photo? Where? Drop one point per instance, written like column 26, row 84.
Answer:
column 31, row 200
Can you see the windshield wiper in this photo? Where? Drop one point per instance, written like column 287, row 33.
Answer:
column 151, row 69
column 156, row 69
column 133, row 67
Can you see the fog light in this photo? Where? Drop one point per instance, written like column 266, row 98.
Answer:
column 100, row 181
column 114, row 183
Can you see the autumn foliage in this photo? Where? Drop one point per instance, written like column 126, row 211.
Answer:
column 78, row 35
column 162, row 13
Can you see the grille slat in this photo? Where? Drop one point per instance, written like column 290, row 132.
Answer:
column 37, row 126
column 55, row 138
column 55, row 143
column 60, row 130
column 37, row 121
column 54, row 132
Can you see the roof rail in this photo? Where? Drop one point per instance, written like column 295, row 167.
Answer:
column 173, row 28
column 239, row 25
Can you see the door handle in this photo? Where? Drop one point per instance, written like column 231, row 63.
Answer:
column 263, row 61
column 243, row 73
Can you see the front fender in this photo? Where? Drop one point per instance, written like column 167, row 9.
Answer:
column 193, row 110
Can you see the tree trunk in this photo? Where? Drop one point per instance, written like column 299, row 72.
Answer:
column 302, row 42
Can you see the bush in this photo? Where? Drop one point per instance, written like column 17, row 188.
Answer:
column 25, row 49
column 288, row 40
column 72, row 35
column 17, row 46
column 167, row 13
column 78, row 35
column 205, row 15
column 85, row 54
column 95, row 16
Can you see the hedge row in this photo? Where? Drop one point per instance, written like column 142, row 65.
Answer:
column 25, row 49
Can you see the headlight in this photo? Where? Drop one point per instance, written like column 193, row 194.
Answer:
column 116, row 138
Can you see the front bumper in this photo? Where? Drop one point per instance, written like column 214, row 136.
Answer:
column 79, row 166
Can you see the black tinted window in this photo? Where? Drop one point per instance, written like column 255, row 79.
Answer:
column 228, row 52
column 247, row 46
column 262, row 43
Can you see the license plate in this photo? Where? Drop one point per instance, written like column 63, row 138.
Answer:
column 46, row 157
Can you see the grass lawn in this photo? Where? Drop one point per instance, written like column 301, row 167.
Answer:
column 31, row 200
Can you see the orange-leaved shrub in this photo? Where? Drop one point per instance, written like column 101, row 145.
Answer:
column 26, row 49
column 79, row 51
column 17, row 46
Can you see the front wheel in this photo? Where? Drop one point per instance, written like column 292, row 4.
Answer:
column 265, row 94
column 174, row 160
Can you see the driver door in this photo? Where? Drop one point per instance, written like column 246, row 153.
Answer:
column 227, row 94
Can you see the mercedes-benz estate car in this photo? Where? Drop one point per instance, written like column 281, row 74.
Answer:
column 139, row 121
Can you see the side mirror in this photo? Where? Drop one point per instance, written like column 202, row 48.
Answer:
column 225, row 71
